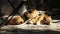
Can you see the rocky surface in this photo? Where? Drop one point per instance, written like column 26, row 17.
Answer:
column 53, row 28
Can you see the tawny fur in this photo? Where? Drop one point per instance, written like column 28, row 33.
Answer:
column 33, row 14
column 44, row 19
column 39, row 19
column 16, row 20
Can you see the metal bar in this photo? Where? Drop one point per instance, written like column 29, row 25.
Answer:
column 16, row 9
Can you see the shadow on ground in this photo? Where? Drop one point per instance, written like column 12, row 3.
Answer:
column 18, row 31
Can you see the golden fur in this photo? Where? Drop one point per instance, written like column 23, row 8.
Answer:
column 16, row 20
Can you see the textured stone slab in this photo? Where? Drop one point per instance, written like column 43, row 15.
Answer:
column 52, row 26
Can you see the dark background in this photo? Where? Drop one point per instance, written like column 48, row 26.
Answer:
column 52, row 7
